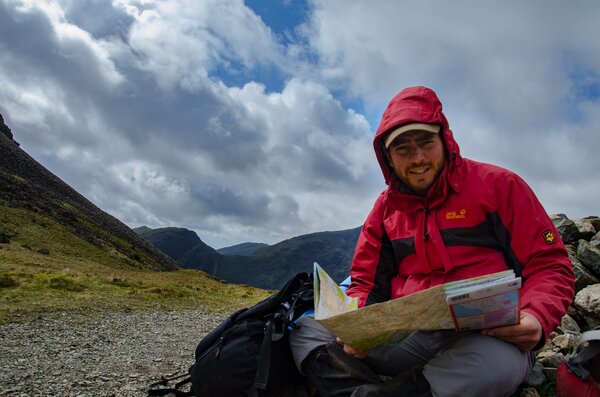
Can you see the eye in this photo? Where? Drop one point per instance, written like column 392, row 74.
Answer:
column 428, row 143
column 402, row 149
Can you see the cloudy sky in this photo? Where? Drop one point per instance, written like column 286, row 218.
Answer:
column 253, row 120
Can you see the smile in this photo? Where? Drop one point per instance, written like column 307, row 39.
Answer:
column 419, row 171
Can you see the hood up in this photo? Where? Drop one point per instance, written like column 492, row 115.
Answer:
column 413, row 105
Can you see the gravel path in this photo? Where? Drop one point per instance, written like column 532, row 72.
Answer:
column 106, row 354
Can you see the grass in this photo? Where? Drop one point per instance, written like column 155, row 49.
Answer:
column 45, row 268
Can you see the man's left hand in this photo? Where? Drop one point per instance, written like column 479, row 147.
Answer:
column 524, row 335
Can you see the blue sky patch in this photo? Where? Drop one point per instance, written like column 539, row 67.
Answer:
column 281, row 16
column 585, row 85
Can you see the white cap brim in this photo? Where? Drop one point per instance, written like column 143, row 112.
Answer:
column 410, row 127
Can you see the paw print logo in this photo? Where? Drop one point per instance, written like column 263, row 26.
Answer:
column 549, row 237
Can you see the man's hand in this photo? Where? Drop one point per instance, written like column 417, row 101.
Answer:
column 524, row 335
column 349, row 350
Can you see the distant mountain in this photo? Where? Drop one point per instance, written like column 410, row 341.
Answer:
column 268, row 266
column 184, row 246
column 30, row 195
column 271, row 266
column 242, row 249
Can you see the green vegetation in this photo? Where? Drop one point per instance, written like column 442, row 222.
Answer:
column 46, row 268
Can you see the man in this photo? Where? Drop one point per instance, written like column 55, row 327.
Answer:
column 442, row 218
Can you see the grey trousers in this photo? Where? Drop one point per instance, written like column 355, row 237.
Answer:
column 454, row 363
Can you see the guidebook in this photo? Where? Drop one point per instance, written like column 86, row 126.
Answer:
column 476, row 303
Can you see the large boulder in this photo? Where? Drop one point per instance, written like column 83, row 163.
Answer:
column 568, row 325
column 587, row 302
column 589, row 256
column 567, row 229
column 594, row 220
column 595, row 241
column 583, row 277
column 586, row 228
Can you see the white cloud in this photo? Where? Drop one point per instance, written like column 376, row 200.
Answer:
column 513, row 78
column 182, row 42
column 128, row 106
column 510, row 55
column 232, row 163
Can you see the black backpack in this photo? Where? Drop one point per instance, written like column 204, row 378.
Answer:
column 248, row 354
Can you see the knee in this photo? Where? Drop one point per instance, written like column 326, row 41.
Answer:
column 477, row 367
column 309, row 331
column 307, row 338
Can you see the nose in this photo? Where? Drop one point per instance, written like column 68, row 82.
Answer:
column 417, row 154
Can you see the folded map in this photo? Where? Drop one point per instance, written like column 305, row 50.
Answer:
column 475, row 303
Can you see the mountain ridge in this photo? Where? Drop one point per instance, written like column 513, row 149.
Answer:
column 247, row 248
column 26, row 184
column 267, row 267
column 182, row 245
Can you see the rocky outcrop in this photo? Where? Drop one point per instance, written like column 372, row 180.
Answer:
column 4, row 129
column 582, row 239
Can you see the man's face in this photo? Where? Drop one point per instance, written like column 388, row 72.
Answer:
column 417, row 158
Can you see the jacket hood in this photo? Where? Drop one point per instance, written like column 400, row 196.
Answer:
column 413, row 105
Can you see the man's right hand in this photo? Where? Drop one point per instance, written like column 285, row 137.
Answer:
column 525, row 335
column 349, row 350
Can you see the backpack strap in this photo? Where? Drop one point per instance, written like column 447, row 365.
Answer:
column 264, row 361
column 274, row 330
column 171, row 390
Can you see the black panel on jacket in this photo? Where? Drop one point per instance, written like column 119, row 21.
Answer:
column 386, row 269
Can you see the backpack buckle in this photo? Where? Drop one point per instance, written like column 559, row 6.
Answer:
column 578, row 370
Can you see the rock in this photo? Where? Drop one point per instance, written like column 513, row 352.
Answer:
column 589, row 256
column 594, row 220
column 588, row 301
column 583, row 277
column 566, row 228
column 566, row 343
column 550, row 358
column 586, row 229
column 596, row 238
column 569, row 325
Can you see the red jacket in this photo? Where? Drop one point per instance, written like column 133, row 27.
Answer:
column 474, row 220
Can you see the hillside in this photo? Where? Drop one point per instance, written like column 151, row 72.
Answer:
column 266, row 267
column 26, row 186
column 58, row 251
